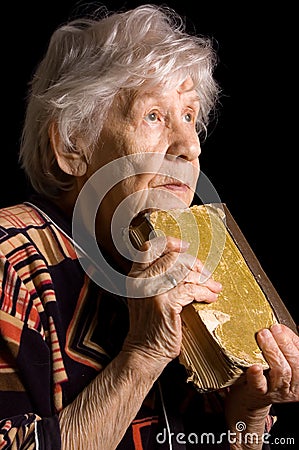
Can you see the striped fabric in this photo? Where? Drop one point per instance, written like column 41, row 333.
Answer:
column 45, row 323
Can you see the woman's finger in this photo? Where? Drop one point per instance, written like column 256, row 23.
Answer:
column 287, row 342
column 194, row 292
column 194, row 278
column 283, row 358
column 256, row 379
column 152, row 250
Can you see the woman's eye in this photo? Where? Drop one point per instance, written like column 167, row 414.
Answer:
column 187, row 117
column 151, row 117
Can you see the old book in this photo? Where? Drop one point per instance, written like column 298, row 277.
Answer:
column 219, row 339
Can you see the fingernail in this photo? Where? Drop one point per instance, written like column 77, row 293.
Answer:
column 276, row 328
column 265, row 333
column 213, row 297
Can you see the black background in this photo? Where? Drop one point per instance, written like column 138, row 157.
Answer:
column 249, row 152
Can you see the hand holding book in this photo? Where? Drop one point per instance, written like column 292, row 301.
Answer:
column 155, row 322
column 219, row 340
column 248, row 401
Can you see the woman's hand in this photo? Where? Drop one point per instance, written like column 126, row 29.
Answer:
column 249, row 400
column 280, row 346
column 166, row 281
column 280, row 384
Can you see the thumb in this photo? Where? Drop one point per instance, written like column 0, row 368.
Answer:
column 256, row 379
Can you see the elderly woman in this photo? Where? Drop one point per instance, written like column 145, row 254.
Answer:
column 84, row 366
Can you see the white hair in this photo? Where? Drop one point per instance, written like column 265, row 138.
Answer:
column 89, row 61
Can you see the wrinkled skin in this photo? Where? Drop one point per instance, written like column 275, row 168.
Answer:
column 280, row 384
column 162, row 337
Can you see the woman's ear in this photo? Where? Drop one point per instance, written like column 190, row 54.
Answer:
column 72, row 163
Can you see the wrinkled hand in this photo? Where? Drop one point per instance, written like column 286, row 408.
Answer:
column 155, row 323
column 280, row 346
column 279, row 384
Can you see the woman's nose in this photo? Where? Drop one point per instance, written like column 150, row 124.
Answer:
column 184, row 144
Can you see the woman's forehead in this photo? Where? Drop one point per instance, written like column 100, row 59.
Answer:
column 127, row 98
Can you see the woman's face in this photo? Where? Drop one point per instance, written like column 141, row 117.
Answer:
column 156, row 130
column 156, row 133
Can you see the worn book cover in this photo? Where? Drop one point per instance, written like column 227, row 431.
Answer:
column 219, row 339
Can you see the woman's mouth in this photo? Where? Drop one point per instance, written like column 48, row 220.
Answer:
column 177, row 187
